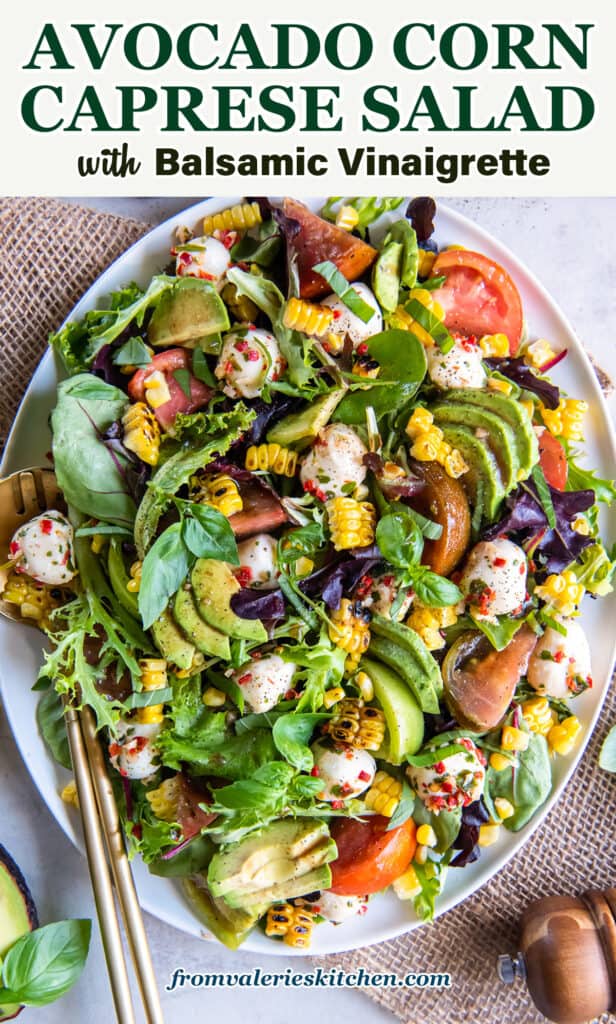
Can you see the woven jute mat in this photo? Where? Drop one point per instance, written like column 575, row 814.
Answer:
column 50, row 253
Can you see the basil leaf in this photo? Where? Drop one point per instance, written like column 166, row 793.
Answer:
column 399, row 538
column 434, row 590
column 430, row 323
column 164, row 569
column 402, row 359
column 339, row 284
column 149, row 698
column 430, row 529
column 105, row 529
column 545, row 497
column 207, row 533
column 607, row 755
column 446, row 824
column 292, row 733
column 50, row 719
column 433, row 283
column 500, row 633
column 405, row 808
column 182, row 376
column 44, row 964
column 134, row 352
column 263, row 250
column 201, row 369
column 527, row 786
column 427, row 758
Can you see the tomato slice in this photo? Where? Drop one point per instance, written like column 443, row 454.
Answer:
column 478, row 296
column 168, row 362
column 553, row 460
column 369, row 857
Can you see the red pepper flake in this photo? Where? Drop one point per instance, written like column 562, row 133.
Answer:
column 46, row 525
column 499, row 562
column 291, row 695
column 227, row 237
column 315, row 772
column 252, row 355
column 13, row 547
column 229, row 367
column 559, row 656
column 389, row 581
column 447, row 786
column 346, row 788
column 362, row 349
column 241, row 345
column 589, row 682
column 185, row 258
column 364, row 776
column 245, row 678
column 337, row 805
column 114, row 749
column 440, row 768
column 243, row 575
column 65, row 558
column 337, row 314
column 452, row 801
column 348, row 753
column 206, row 277
column 320, row 494
column 137, row 831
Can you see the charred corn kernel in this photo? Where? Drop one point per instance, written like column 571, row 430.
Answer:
column 274, row 457
column 503, row 386
column 454, row 464
column 366, row 366
column 426, row 836
column 69, row 794
column 499, row 762
column 421, row 854
column 153, row 677
column 213, row 698
column 563, row 737
column 241, row 307
column 349, row 629
column 427, row 259
column 513, row 738
column 567, row 420
column 582, row 526
column 365, row 686
column 141, row 432
column 488, row 834
column 235, row 218
column 35, row 601
column 428, row 623
column 164, row 800
column 98, row 543
column 308, row 317
column 427, row 447
column 538, row 715
column 351, row 523
column 391, row 471
column 347, row 218
column 293, row 924
column 303, row 566
column 135, row 577
column 495, row 345
column 504, row 808
column 454, row 247
column 562, row 592
column 221, row 492
column 334, row 343
column 420, row 422
column 333, row 696
column 407, row 885
column 384, row 794
column 156, row 389
column 357, row 725
column 427, row 300
column 539, row 353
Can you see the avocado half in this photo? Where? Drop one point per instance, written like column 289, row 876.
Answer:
column 17, row 914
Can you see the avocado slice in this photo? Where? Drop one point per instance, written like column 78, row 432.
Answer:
column 500, row 436
column 189, row 311
column 258, row 902
column 512, row 413
column 229, row 925
column 284, row 850
column 171, row 642
column 386, row 275
column 404, row 664
column 213, row 587
column 483, row 482
column 119, row 578
column 17, row 914
column 403, row 715
column 410, row 641
column 205, row 638
column 299, row 429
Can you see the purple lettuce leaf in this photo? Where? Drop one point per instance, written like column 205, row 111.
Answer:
column 104, row 368
column 402, row 487
column 340, row 575
column 521, row 374
column 250, row 603
column 266, row 414
column 473, row 817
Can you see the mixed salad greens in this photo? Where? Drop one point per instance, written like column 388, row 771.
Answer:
column 325, row 547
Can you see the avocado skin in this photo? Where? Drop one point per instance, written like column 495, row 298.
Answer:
column 410, row 641
column 508, row 410
column 318, row 878
column 198, row 632
column 484, row 479
column 402, row 662
column 501, row 437
column 228, row 924
column 192, row 309
column 119, row 578
column 299, row 429
column 213, row 587
column 171, row 642
column 19, row 914
column 403, row 715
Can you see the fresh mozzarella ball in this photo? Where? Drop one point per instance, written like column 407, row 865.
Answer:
column 335, row 461
column 258, row 560
column 494, row 578
column 344, row 771
column 382, row 595
column 210, row 261
column 132, row 753
column 43, row 548
column 456, row 781
column 347, row 323
column 461, row 367
column 264, row 681
column 560, row 665
column 336, row 908
column 247, row 360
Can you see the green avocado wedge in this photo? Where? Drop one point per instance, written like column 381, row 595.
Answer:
column 213, row 587
column 119, row 578
column 230, row 926
column 483, row 482
column 205, row 638
column 404, row 664
column 499, row 435
column 511, row 412
column 299, row 429
column 258, row 902
column 17, row 917
column 189, row 311
column 171, row 642
column 409, row 640
column 403, row 715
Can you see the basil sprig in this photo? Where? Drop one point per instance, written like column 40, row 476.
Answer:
column 339, row 284
column 44, row 964
column 400, row 540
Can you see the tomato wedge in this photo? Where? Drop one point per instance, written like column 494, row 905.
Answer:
column 168, row 362
column 478, row 296
column 369, row 857
column 553, row 460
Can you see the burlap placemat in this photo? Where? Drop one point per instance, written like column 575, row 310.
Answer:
column 50, row 253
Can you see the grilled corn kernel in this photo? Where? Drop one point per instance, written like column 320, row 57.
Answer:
column 135, row 577
column 454, row 464
column 351, row 523
column 164, row 800
column 98, row 543
column 156, row 389
column 308, row 317
column 273, row 457
column 504, row 808
column 213, row 698
column 35, row 600
column 141, row 432
column 384, row 795
column 303, row 566
column 334, row 343
column 420, row 422
column 562, row 592
column 421, row 854
column 349, row 629
column 499, row 762
column 581, row 526
column 567, row 420
column 539, row 353
column 333, row 696
column 428, row 623
column 488, row 834
column 347, row 218
column 426, row 836
column 69, row 794
column 366, row 366
column 365, row 686
column 357, row 725
column 503, row 386
column 243, row 309
column 563, row 737
column 221, row 492
column 293, row 924
column 153, row 677
column 407, row 885
column 494, row 345
column 513, row 738
column 235, row 218
column 427, row 259
column 538, row 715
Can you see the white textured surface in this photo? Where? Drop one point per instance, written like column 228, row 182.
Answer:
column 570, row 245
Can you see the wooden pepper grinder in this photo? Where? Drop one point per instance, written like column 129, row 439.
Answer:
column 568, row 956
